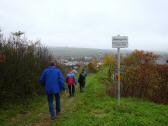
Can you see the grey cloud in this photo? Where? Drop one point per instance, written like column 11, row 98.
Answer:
column 89, row 23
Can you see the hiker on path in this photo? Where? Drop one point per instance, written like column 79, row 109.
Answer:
column 76, row 76
column 71, row 82
column 82, row 79
column 54, row 82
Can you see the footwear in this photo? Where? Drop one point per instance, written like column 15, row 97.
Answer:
column 53, row 118
column 58, row 111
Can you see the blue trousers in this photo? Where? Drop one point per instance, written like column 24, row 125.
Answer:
column 51, row 104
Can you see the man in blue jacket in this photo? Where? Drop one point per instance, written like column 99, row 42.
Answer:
column 53, row 80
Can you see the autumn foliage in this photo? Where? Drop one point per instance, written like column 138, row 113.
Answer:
column 92, row 66
column 110, row 62
column 109, row 59
column 145, row 79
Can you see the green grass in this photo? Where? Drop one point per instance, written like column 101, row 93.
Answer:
column 92, row 108
column 18, row 114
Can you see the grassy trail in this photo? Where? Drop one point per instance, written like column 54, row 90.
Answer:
column 95, row 108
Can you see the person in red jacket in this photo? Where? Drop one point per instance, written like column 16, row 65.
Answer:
column 70, row 80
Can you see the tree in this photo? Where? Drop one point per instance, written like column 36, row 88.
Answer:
column 110, row 61
column 92, row 66
column 140, row 57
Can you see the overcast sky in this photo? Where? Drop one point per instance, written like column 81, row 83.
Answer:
column 89, row 23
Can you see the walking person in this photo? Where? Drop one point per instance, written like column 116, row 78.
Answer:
column 70, row 80
column 82, row 79
column 76, row 76
column 54, row 82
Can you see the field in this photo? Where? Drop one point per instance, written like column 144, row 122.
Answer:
column 91, row 108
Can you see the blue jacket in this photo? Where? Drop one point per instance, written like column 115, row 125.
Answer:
column 53, row 80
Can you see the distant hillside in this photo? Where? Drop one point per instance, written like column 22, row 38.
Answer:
column 80, row 52
column 75, row 52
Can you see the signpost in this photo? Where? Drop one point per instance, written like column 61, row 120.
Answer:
column 119, row 42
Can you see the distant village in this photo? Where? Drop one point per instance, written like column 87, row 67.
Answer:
column 76, row 62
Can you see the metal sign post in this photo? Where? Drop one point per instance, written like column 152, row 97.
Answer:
column 119, row 42
column 118, row 92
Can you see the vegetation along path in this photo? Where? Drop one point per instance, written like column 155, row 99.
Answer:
column 95, row 108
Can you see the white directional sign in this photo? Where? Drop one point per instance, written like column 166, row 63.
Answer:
column 120, row 41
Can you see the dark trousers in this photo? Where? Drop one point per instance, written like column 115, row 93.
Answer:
column 82, row 86
column 51, row 104
column 71, row 90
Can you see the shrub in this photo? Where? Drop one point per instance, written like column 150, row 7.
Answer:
column 22, row 61
column 143, row 79
column 92, row 66
column 110, row 61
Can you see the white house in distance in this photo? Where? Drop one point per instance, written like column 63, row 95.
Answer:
column 162, row 60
